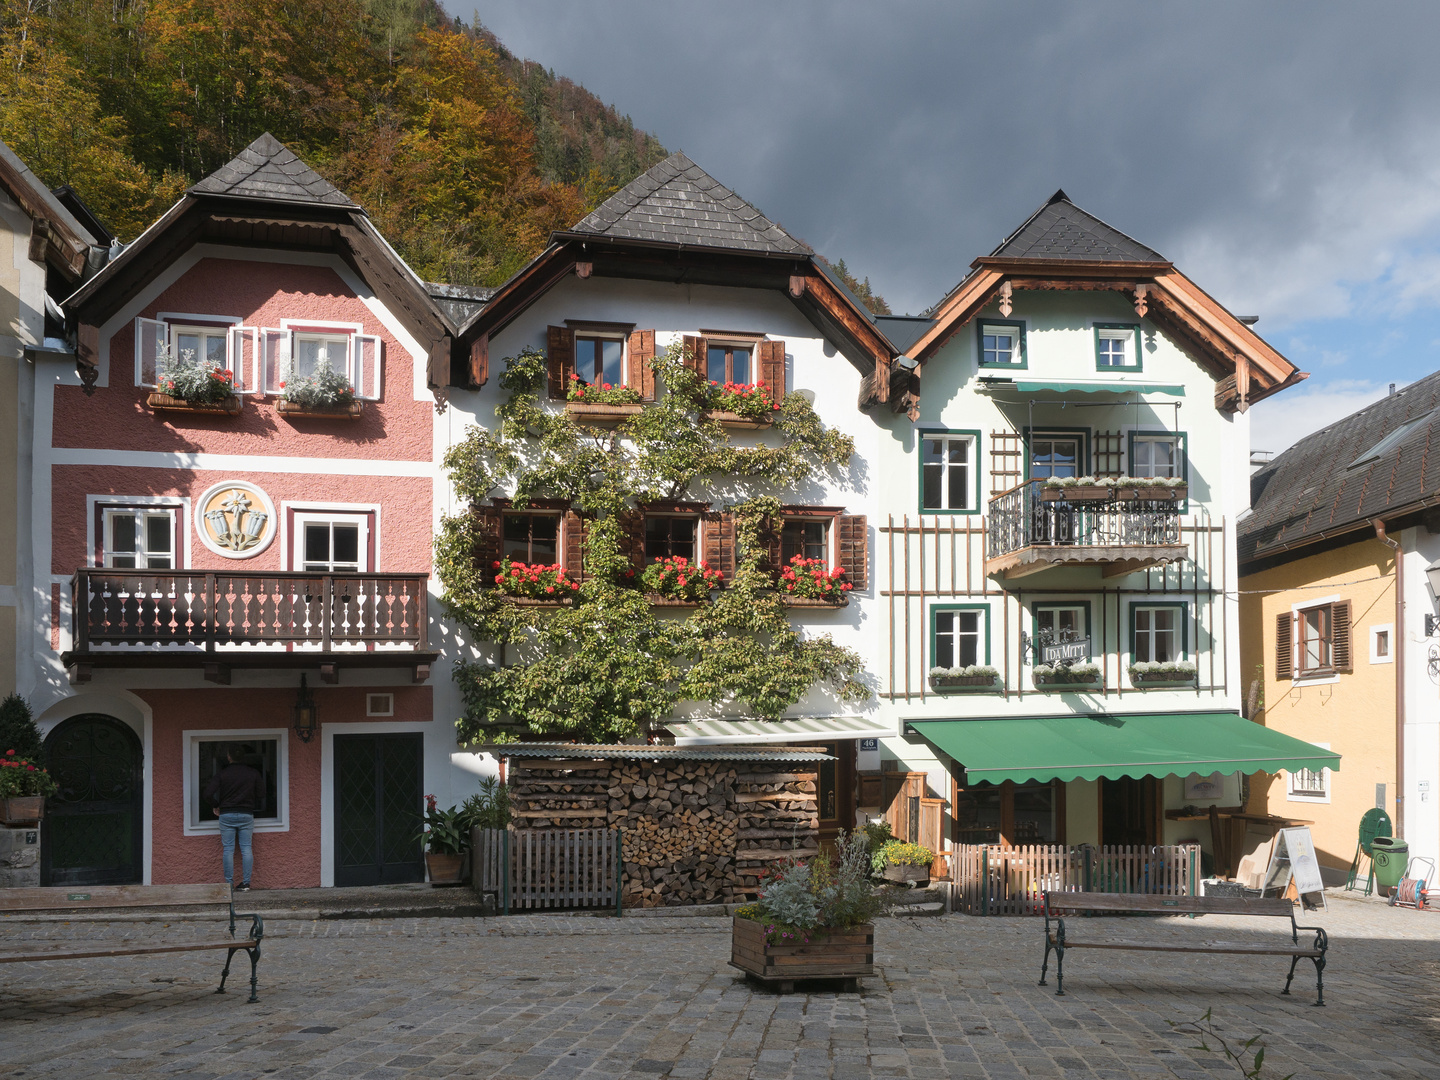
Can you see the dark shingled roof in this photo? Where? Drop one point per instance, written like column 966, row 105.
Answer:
column 1312, row 490
column 677, row 202
column 902, row 331
column 266, row 169
column 460, row 302
column 1061, row 230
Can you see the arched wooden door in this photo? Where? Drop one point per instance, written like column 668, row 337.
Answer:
column 93, row 828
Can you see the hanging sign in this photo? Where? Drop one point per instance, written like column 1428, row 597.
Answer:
column 1293, row 858
column 1078, row 649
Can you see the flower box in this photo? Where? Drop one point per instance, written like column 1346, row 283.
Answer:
column 1152, row 494
column 906, row 873
column 532, row 601
column 165, row 403
column 602, row 415
column 656, row 600
column 829, row 954
column 962, row 682
column 1077, row 494
column 1162, row 678
column 445, row 869
column 293, row 410
column 736, row 422
column 807, row 601
column 1084, row 679
column 22, row 810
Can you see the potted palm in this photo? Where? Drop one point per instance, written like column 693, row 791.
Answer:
column 446, row 841
column 24, row 786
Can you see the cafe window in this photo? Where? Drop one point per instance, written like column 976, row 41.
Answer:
column 263, row 749
column 668, row 536
column 531, row 538
column 1009, row 813
column 959, row 636
column 809, row 539
column 139, row 537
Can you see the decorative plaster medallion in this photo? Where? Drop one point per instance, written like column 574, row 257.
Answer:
column 235, row 519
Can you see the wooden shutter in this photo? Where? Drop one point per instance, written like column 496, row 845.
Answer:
column 632, row 524
column 151, row 337
column 560, row 351
column 573, row 557
column 488, row 521
column 639, row 367
column 719, row 544
column 1340, row 651
column 854, row 549
column 1284, row 645
column 772, row 367
column 770, row 536
column 243, row 359
column 479, row 361
column 696, row 349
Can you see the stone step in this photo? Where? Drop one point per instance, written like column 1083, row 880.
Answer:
column 928, row 910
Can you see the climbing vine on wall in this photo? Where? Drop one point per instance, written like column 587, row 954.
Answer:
column 607, row 664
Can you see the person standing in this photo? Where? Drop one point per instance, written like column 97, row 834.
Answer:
column 236, row 791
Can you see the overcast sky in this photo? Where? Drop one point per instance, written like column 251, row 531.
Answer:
column 1284, row 156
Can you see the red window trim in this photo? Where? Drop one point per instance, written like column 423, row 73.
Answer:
column 97, row 554
column 292, row 541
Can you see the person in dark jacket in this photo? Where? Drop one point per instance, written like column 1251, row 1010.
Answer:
column 236, row 791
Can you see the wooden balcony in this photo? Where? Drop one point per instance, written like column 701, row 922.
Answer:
column 1028, row 533
column 221, row 621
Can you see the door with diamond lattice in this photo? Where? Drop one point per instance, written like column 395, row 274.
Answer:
column 378, row 808
column 93, row 827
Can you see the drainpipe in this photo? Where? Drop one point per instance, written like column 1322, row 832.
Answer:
column 1399, row 674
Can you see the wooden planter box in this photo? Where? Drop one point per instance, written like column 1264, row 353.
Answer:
column 656, row 600
column 445, row 869
column 231, row 406
column 22, row 810
column 1165, row 494
column 1052, row 681
column 839, row 954
column 905, row 872
column 603, row 415
column 1077, row 494
column 293, row 410
column 736, row 422
column 1155, row 678
column 806, row 601
column 535, row 601
column 963, row 682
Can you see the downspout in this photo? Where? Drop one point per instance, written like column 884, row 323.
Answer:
column 1399, row 647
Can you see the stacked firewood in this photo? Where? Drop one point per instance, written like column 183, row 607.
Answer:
column 693, row 832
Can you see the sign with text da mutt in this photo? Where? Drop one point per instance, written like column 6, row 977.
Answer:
column 1063, row 651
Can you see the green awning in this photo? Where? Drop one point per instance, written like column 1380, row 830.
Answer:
column 1089, row 747
column 1111, row 387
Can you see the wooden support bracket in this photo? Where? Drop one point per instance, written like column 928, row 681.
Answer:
column 330, row 673
column 584, row 269
column 421, row 673
column 78, row 674
column 217, row 673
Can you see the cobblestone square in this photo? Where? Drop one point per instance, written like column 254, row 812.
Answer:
column 566, row 997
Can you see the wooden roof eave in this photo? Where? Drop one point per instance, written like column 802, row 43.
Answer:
column 956, row 310
column 53, row 239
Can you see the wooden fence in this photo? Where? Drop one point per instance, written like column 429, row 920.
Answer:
column 548, row 868
column 994, row 880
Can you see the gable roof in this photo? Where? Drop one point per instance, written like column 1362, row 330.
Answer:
column 1061, row 230
column 1333, row 482
column 677, row 202
column 267, row 169
column 66, row 242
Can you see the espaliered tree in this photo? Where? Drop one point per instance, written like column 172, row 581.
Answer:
column 605, row 664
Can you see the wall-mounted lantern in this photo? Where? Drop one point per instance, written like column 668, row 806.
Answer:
column 304, row 713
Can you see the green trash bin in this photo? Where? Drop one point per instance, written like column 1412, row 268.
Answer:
column 1390, row 856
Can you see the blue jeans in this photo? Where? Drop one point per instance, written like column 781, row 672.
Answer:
column 231, row 826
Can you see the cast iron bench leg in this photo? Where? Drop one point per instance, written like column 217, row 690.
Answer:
column 226, row 973
column 1293, row 961
column 1045, row 964
column 1059, row 970
column 1319, row 979
column 254, row 959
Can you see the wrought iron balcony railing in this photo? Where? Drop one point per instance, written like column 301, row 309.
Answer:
column 1052, row 529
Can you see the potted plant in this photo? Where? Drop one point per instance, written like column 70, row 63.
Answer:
column 1077, row 489
column 677, row 578
column 812, row 921
column 895, row 860
column 1153, row 488
column 446, row 841
column 813, row 579
column 970, row 676
column 1162, row 673
column 324, row 395
column 1084, row 672
column 742, row 405
column 24, row 786
column 187, row 384
column 601, row 403
column 533, row 581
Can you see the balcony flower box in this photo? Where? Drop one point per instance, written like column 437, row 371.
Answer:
column 293, row 410
column 819, row 954
column 583, row 412
column 1152, row 493
column 1047, row 675
column 1178, row 673
column 230, row 406
column 807, row 601
column 973, row 678
column 1077, row 493
column 736, row 422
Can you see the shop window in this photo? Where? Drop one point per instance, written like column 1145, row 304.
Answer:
column 531, row 538
column 263, row 749
column 949, row 479
column 1158, row 633
column 1033, row 812
column 959, row 636
column 139, row 537
column 807, row 538
column 668, row 536
column 1057, row 623
column 1009, row 813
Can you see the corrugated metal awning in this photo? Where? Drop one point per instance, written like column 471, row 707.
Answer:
column 797, row 729
column 610, row 752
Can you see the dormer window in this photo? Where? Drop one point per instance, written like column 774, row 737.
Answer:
column 1117, row 347
column 1002, row 344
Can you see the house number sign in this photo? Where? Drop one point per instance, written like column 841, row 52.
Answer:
column 235, row 519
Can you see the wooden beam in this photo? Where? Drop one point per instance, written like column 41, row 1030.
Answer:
column 584, row 269
column 330, row 672
column 217, row 673
column 420, row 673
column 957, row 310
column 479, row 361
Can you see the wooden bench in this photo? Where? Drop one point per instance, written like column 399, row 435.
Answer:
column 1057, row 940
column 115, row 897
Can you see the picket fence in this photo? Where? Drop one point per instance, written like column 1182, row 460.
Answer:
column 989, row 879
column 530, row 869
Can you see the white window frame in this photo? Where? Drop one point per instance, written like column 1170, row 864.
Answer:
column 316, row 516
column 1178, row 630
column 1176, row 441
column 1297, row 678
column 1015, row 333
column 277, row 351
column 379, row 704
column 810, row 519
column 1308, row 796
column 142, row 503
column 1054, row 606
column 1375, row 631
column 1040, row 435
column 1131, row 347
column 191, row 782
column 239, row 339
column 173, row 512
column 971, row 465
column 957, row 635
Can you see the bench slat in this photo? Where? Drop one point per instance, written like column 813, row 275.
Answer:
column 1142, row 903
column 1209, row 947
column 83, row 951
column 113, row 896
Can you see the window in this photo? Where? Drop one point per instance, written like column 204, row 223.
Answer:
column 312, row 350
column 1381, row 644
column 138, row 538
column 531, row 538
column 1055, row 456
column 1308, row 785
column 1158, row 633
column 729, row 363
column 669, row 536
column 1056, row 623
column 1117, row 346
column 1157, row 455
column 1008, row 813
column 200, row 343
column 600, row 360
column 1316, row 632
column 331, row 546
column 1313, row 641
column 1002, row 344
column 215, row 340
column 808, row 539
column 948, row 479
column 960, row 636
column 379, row 704
column 264, row 749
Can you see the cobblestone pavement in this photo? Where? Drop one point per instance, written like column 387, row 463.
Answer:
column 567, row 997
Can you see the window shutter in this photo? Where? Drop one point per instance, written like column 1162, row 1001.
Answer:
column 1340, row 651
column 720, row 542
column 243, row 359
column 151, row 338
column 488, row 522
column 1284, row 645
column 275, row 352
column 772, row 367
column 574, row 551
column 855, row 549
column 770, row 535
column 560, row 351
column 367, row 367
column 479, row 361
column 695, row 351
column 639, row 366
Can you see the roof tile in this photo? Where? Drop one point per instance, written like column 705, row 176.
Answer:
column 267, row 169
column 1061, row 230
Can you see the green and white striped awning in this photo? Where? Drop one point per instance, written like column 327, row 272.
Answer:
column 796, row 729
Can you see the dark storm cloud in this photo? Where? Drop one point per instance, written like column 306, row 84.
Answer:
column 1284, row 155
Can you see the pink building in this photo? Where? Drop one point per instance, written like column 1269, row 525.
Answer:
column 207, row 561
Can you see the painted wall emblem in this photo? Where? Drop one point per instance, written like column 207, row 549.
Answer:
column 235, row 519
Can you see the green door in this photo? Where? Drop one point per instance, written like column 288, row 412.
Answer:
column 93, row 826
column 378, row 807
